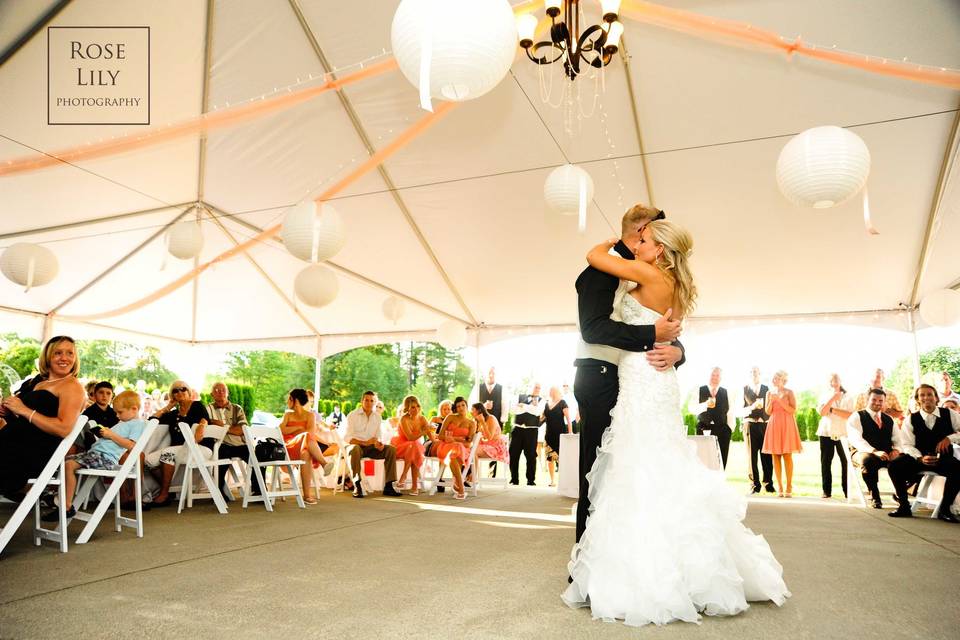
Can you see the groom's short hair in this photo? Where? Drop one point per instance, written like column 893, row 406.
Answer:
column 637, row 216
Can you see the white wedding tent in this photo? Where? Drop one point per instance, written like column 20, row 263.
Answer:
column 454, row 223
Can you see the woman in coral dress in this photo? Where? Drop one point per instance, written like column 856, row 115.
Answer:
column 492, row 445
column 782, row 439
column 299, row 431
column 453, row 443
column 411, row 430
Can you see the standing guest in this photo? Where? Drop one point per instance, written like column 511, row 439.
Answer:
column 755, row 429
column 949, row 395
column 870, row 434
column 926, row 444
column 224, row 413
column 299, row 429
column 523, row 438
column 490, row 395
column 90, row 388
column 891, row 404
column 571, row 401
column 556, row 416
column 148, row 408
column 35, row 420
column 363, row 441
column 835, row 408
column 491, row 444
column 453, row 443
column 713, row 410
column 783, row 437
column 181, row 408
column 411, row 431
column 335, row 417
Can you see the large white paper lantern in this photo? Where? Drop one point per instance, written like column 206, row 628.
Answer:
column 941, row 308
column 29, row 265
column 469, row 45
column 316, row 285
column 185, row 239
column 567, row 188
column 393, row 309
column 452, row 334
column 313, row 233
column 823, row 167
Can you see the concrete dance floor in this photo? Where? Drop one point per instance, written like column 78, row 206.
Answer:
column 432, row 567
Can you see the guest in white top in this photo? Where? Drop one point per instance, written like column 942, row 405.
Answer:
column 927, row 440
column 872, row 443
column 363, row 441
column 835, row 408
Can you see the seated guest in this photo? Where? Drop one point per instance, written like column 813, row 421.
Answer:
column 870, row 434
column 90, row 387
column 444, row 409
column 299, row 429
column 926, row 444
column 363, row 441
column 112, row 445
column 326, row 440
column 99, row 412
column 953, row 405
column 224, row 413
column 492, row 445
column 181, row 408
column 35, row 420
column 411, row 430
column 453, row 443
column 891, row 404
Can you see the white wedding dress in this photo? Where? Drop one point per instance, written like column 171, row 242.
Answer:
column 665, row 539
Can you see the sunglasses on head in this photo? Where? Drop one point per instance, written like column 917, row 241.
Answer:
column 178, row 390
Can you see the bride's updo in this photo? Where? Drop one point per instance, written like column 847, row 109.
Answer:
column 677, row 246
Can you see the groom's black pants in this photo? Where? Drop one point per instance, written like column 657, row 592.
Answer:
column 595, row 387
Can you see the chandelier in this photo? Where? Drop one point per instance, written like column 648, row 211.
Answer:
column 595, row 46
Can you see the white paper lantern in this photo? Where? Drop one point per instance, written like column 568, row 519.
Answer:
column 313, row 233
column 469, row 45
column 393, row 309
column 29, row 265
column 452, row 334
column 823, row 167
column 566, row 188
column 316, row 285
column 941, row 308
column 185, row 239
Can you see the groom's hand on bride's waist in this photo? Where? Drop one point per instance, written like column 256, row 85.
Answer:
column 666, row 327
column 664, row 356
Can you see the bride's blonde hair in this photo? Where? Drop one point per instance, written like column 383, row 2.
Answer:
column 677, row 246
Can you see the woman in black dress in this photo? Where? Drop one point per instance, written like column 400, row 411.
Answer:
column 557, row 416
column 35, row 420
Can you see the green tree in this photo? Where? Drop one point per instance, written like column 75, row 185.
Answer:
column 345, row 376
column 931, row 364
column 20, row 354
column 272, row 374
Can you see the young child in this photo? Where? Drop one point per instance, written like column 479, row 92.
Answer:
column 106, row 452
column 100, row 411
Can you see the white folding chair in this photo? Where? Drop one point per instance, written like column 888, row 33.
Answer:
column 503, row 472
column 925, row 494
column 197, row 462
column 343, row 467
column 39, row 485
column 256, row 470
column 130, row 469
column 855, row 493
column 438, row 480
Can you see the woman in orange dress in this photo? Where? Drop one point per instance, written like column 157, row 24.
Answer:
column 409, row 441
column 491, row 444
column 454, row 440
column 782, row 439
column 299, row 429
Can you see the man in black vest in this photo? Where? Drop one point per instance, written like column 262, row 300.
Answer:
column 926, row 444
column 490, row 395
column 523, row 438
column 755, row 429
column 870, row 433
column 713, row 407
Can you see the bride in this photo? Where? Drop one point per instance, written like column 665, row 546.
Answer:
column 664, row 540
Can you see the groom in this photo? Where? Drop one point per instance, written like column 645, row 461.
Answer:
column 602, row 337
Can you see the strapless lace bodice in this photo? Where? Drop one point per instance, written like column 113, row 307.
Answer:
column 635, row 313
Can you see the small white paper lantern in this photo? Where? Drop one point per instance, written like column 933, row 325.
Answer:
column 29, row 265
column 452, row 334
column 941, row 308
column 316, row 285
column 469, row 45
column 185, row 239
column 566, row 188
column 823, row 167
column 313, row 233
column 393, row 309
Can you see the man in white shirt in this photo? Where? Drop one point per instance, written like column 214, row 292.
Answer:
column 712, row 408
column 835, row 408
column 755, row 430
column 363, row 441
column 870, row 433
column 927, row 440
column 527, row 411
column 490, row 395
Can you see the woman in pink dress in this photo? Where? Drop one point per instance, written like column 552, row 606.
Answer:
column 408, row 442
column 491, row 444
column 782, row 439
column 454, row 440
column 299, row 431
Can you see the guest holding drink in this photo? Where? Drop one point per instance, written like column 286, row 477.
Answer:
column 782, row 439
column 835, row 407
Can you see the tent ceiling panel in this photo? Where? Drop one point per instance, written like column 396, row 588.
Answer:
column 943, row 267
column 17, row 17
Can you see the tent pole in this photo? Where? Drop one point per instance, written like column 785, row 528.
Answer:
column 625, row 56
column 916, row 348
column 47, row 328
column 316, row 375
column 84, row 223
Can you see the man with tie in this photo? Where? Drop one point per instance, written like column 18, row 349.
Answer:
column 713, row 408
column 523, row 438
column 926, row 443
column 870, row 434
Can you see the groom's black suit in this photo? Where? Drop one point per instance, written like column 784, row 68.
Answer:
column 596, row 385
